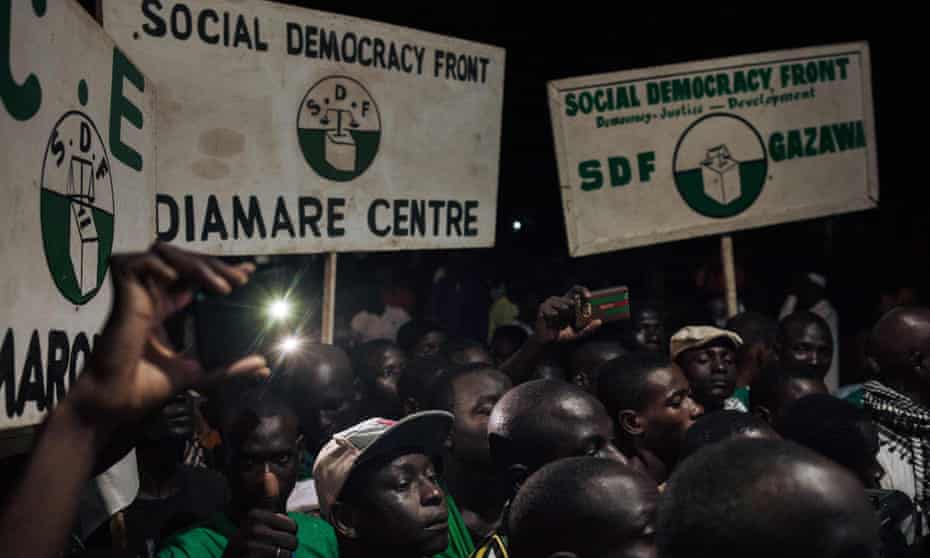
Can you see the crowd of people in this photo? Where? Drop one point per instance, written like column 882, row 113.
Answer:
column 541, row 440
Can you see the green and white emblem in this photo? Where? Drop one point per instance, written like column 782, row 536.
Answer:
column 77, row 207
column 339, row 128
column 720, row 165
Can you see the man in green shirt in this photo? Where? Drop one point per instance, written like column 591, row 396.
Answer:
column 261, row 435
column 379, row 487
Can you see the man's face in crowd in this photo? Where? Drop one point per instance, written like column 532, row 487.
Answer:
column 649, row 331
column 711, row 371
column 330, row 401
column 475, row 396
column 808, row 348
column 429, row 344
column 387, row 366
column 669, row 411
column 404, row 511
column 260, row 446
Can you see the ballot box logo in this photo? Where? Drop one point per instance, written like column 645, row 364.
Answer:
column 339, row 128
column 720, row 165
column 76, row 206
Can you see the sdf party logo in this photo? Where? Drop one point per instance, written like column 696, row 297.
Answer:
column 339, row 128
column 720, row 165
column 76, row 207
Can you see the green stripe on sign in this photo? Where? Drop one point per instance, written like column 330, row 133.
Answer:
column 611, row 298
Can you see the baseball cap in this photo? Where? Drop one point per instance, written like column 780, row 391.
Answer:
column 692, row 337
column 426, row 431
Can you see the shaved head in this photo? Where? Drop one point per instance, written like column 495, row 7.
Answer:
column 898, row 333
column 764, row 498
column 540, row 421
column 586, row 506
column 900, row 345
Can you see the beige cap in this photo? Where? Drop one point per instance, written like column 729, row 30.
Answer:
column 426, row 431
column 692, row 337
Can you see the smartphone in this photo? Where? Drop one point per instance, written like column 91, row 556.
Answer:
column 607, row 305
column 250, row 320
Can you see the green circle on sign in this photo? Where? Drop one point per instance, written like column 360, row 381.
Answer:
column 720, row 165
column 76, row 207
column 338, row 128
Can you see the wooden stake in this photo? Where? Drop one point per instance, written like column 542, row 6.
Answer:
column 729, row 275
column 329, row 299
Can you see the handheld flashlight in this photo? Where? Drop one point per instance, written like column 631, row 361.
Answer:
column 279, row 310
column 289, row 344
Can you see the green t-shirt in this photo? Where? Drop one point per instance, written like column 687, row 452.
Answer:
column 315, row 539
column 460, row 543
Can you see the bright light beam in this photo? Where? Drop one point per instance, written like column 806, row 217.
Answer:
column 289, row 344
column 279, row 309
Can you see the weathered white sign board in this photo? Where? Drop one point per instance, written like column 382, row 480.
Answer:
column 78, row 184
column 674, row 152
column 282, row 129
